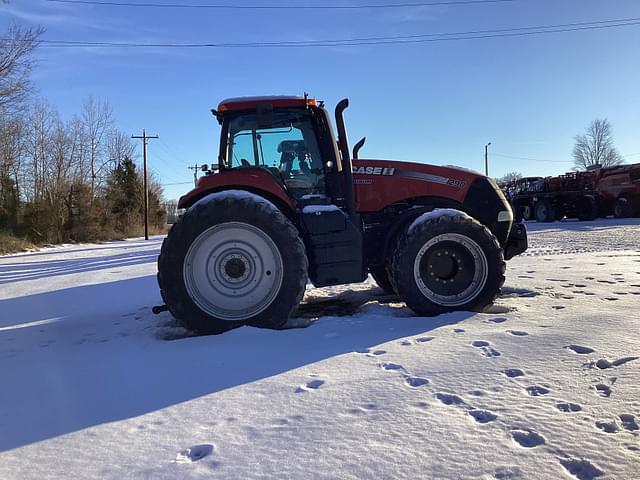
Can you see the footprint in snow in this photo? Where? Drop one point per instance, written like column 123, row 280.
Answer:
column 608, row 427
column 507, row 473
column 513, row 372
column 371, row 353
column 537, row 390
column 391, row 366
column 528, row 438
column 517, row 333
column 629, row 422
column 485, row 348
column 603, row 363
column 568, row 407
column 193, row 454
column 579, row 349
column 424, row 339
column 482, row 416
column 581, row 469
column 376, row 353
column 415, row 382
column 310, row 386
column 449, row 398
column 496, row 320
column 603, row 390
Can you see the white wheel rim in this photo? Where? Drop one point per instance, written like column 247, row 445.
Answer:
column 478, row 261
column 233, row 271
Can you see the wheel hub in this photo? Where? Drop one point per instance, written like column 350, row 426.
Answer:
column 444, row 264
column 235, row 268
column 450, row 269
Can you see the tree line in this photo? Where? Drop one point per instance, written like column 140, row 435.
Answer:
column 73, row 180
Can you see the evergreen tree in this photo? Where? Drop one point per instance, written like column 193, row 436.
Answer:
column 125, row 198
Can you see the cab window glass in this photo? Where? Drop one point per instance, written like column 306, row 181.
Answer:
column 287, row 147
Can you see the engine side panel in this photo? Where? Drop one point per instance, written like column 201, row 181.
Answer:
column 380, row 183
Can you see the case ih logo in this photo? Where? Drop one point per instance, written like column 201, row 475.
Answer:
column 425, row 177
column 374, row 171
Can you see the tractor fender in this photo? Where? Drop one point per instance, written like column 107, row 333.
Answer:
column 405, row 219
column 283, row 203
column 253, row 179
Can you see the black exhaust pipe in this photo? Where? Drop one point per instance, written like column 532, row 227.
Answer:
column 357, row 147
column 343, row 143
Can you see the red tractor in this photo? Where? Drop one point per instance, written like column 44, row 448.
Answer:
column 287, row 204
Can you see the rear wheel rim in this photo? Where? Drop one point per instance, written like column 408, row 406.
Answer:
column 451, row 269
column 233, row 271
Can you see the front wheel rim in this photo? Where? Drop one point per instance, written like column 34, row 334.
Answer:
column 451, row 269
column 233, row 271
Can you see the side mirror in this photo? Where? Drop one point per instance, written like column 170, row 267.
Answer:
column 358, row 146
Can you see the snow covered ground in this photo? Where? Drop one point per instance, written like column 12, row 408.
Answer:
column 545, row 386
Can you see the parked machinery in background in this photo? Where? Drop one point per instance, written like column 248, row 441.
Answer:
column 598, row 192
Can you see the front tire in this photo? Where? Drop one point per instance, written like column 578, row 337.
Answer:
column 448, row 263
column 381, row 276
column 232, row 259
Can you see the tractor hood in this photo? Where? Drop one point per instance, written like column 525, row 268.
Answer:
column 382, row 182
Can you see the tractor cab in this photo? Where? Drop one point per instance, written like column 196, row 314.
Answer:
column 291, row 138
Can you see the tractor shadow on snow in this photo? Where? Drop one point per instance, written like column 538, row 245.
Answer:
column 110, row 360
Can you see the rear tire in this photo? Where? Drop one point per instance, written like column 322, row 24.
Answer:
column 448, row 263
column 526, row 212
column 232, row 260
column 622, row 208
column 381, row 276
column 545, row 212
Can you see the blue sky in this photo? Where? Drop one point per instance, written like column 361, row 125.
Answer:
column 436, row 102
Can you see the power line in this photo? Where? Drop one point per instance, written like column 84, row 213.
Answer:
column 530, row 159
column 422, row 38
column 277, row 7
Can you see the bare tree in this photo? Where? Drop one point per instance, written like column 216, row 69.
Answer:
column 97, row 119
column 595, row 147
column 509, row 177
column 119, row 147
column 16, row 46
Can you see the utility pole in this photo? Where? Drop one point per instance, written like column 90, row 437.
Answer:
column 486, row 159
column 145, row 138
column 195, row 169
